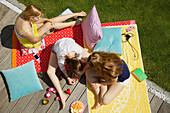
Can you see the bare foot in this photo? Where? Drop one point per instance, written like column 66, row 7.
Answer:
column 96, row 106
column 63, row 99
column 97, row 102
column 78, row 21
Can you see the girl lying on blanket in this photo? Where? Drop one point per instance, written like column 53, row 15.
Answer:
column 30, row 28
column 66, row 50
column 107, row 75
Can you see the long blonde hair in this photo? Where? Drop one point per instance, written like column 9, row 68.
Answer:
column 32, row 11
column 106, row 63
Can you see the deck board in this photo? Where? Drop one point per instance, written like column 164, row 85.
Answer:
column 2, row 85
column 36, row 100
column 3, row 96
column 3, row 11
column 165, row 108
column 7, row 106
column 8, row 19
column 150, row 96
column 155, row 104
column 21, row 104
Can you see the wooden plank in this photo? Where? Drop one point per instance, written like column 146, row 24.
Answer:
column 4, row 52
column 37, row 99
column 5, row 60
column 3, row 11
column 0, row 42
column 150, row 95
column 84, row 99
column 43, row 108
column 2, row 84
column 22, row 102
column 2, row 79
column 155, row 104
column 8, row 19
column 165, row 108
column 4, row 96
column 77, row 92
column 86, row 110
column 7, row 106
column 4, row 100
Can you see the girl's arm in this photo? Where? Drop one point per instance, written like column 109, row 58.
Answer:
column 31, row 37
column 62, row 68
column 85, row 68
column 42, row 20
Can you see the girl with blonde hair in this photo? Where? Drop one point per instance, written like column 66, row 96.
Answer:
column 30, row 28
column 107, row 75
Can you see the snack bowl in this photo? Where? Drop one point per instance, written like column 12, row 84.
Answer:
column 77, row 107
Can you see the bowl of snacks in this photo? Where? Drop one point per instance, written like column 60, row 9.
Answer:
column 77, row 107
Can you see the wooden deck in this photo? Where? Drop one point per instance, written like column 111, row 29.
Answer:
column 32, row 102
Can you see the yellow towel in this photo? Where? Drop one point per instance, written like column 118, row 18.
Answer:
column 134, row 98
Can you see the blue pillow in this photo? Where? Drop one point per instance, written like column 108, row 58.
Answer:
column 111, row 40
column 67, row 11
column 22, row 80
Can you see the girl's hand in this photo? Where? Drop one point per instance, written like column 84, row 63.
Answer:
column 51, row 21
column 71, row 81
column 75, row 77
column 78, row 21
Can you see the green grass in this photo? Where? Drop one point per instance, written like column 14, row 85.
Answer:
column 151, row 16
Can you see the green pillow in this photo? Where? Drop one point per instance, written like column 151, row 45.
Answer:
column 111, row 40
column 22, row 80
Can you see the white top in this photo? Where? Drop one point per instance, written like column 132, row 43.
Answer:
column 62, row 47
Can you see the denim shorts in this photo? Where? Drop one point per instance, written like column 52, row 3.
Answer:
column 53, row 48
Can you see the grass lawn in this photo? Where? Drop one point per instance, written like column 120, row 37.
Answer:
column 151, row 16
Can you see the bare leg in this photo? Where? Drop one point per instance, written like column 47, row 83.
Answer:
column 44, row 28
column 51, row 73
column 66, row 24
column 91, row 76
column 103, row 90
column 112, row 92
column 62, row 18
